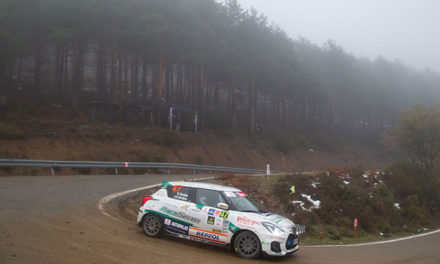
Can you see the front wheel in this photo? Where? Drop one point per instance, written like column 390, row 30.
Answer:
column 152, row 225
column 247, row 245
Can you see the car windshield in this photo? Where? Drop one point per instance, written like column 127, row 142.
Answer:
column 241, row 202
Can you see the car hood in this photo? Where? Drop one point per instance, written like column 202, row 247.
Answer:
column 282, row 222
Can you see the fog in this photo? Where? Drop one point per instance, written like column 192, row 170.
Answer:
column 404, row 30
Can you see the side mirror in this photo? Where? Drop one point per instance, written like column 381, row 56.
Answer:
column 223, row 206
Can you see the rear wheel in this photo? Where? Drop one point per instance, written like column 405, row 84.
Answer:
column 152, row 225
column 247, row 245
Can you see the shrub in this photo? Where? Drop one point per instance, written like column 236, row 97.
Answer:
column 198, row 160
column 144, row 157
column 167, row 138
column 21, row 111
column 162, row 157
column 11, row 131
column 414, row 211
column 283, row 143
column 401, row 178
column 332, row 233
column 281, row 188
column 288, row 142
column 326, row 143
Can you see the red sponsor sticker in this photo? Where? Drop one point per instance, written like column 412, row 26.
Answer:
column 217, row 212
column 247, row 221
column 242, row 194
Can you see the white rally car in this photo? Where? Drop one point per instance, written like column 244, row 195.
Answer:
column 218, row 215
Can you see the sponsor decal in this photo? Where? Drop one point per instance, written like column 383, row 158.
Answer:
column 211, row 220
column 218, row 222
column 184, row 207
column 224, row 214
column 230, row 194
column 233, row 228
column 242, row 194
column 217, row 231
column 200, row 206
column 211, row 211
column 176, row 227
column 244, row 220
column 207, row 235
column 217, row 212
column 169, row 205
column 181, row 196
column 180, row 215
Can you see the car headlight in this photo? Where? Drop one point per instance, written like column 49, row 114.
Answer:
column 272, row 228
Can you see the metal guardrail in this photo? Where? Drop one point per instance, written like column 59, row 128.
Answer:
column 110, row 164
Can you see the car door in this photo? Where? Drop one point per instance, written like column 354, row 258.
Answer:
column 214, row 223
column 180, row 210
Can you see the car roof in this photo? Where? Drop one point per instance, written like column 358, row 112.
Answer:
column 204, row 185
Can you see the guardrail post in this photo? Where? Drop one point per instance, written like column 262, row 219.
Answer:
column 52, row 171
column 116, row 171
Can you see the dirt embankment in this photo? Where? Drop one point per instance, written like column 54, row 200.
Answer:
column 101, row 142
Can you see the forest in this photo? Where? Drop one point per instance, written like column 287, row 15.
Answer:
column 230, row 65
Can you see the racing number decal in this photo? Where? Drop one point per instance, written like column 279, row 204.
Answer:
column 224, row 214
column 176, row 188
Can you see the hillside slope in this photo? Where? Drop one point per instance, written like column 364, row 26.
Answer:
column 62, row 140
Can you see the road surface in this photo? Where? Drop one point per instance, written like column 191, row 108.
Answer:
column 56, row 220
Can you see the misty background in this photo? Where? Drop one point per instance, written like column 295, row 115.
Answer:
column 405, row 30
column 130, row 61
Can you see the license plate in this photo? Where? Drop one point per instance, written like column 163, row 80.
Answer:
column 295, row 241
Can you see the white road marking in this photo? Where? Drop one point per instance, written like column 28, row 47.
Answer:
column 110, row 197
column 377, row 242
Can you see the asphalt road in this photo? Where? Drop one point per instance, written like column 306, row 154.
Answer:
column 56, row 220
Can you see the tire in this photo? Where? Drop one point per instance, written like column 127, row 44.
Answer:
column 152, row 225
column 247, row 245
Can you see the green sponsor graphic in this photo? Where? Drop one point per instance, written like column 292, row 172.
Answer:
column 179, row 215
column 169, row 217
column 233, row 228
column 165, row 183
column 200, row 206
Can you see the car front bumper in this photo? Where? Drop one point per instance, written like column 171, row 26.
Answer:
column 281, row 247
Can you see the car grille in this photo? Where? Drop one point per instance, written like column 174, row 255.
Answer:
column 290, row 243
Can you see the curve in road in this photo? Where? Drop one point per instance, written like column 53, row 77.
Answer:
column 55, row 220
